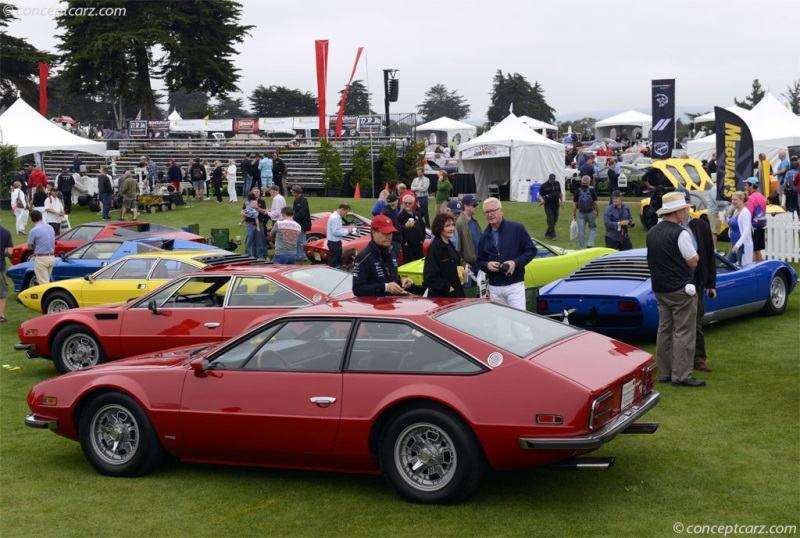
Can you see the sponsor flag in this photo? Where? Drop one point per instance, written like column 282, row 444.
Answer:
column 734, row 152
column 139, row 115
column 321, row 47
column 663, row 134
column 44, row 70
column 344, row 95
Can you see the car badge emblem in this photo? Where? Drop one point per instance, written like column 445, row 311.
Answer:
column 495, row 359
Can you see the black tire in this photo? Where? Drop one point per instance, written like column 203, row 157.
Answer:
column 118, row 438
column 453, row 464
column 777, row 296
column 635, row 189
column 30, row 281
column 58, row 301
column 27, row 256
column 75, row 347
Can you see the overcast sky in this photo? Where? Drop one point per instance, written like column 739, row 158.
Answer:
column 591, row 58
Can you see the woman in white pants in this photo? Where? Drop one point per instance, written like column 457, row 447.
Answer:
column 19, row 204
column 232, row 181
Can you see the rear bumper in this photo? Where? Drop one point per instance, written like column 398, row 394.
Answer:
column 29, row 349
column 41, row 423
column 601, row 436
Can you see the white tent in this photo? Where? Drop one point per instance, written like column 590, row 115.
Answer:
column 631, row 118
column 705, row 118
column 511, row 151
column 24, row 127
column 446, row 130
column 537, row 125
column 174, row 115
column 772, row 125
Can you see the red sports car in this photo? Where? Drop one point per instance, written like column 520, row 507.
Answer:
column 210, row 305
column 429, row 392
column 319, row 224
column 83, row 233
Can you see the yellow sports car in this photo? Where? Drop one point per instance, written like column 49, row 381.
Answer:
column 125, row 279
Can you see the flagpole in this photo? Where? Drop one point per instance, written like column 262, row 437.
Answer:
column 372, row 165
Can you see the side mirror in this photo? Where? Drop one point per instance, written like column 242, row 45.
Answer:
column 153, row 307
column 88, row 277
column 62, row 255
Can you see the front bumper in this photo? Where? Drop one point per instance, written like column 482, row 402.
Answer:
column 602, row 436
column 29, row 349
column 41, row 423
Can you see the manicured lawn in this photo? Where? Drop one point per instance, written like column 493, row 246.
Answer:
column 725, row 454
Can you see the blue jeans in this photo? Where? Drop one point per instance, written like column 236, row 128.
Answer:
column 583, row 219
column 250, row 239
column 261, row 242
column 284, row 259
column 301, row 252
column 105, row 198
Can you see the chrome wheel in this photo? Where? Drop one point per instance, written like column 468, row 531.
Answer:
column 777, row 295
column 114, row 434
column 80, row 351
column 57, row 305
column 425, row 456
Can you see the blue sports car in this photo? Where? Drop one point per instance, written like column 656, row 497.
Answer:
column 612, row 294
column 95, row 255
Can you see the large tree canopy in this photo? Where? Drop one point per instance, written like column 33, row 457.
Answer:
column 439, row 101
column 756, row 95
column 358, row 100
column 19, row 75
column 527, row 100
column 281, row 102
column 187, row 44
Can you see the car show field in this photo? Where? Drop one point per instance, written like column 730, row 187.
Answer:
column 711, row 461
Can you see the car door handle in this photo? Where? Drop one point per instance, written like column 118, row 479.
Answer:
column 140, row 286
column 323, row 401
column 211, row 325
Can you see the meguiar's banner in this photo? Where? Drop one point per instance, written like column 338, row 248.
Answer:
column 734, row 152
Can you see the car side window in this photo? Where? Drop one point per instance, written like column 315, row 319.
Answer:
column 399, row 348
column 205, row 291
column 300, row 346
column 261, row 292
column 131, row 269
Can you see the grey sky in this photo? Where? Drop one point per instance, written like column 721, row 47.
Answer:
column 591, row 58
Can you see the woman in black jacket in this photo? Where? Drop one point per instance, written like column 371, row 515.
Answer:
column 216, row 179
column 441, row 272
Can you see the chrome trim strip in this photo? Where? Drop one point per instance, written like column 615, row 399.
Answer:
column 34, row 421
column 601, row 436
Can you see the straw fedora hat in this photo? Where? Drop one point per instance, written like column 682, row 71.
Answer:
column 673, row 201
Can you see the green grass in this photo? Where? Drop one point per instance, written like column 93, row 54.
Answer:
column 724, row 454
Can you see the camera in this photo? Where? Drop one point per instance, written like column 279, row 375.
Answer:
column 504, row 267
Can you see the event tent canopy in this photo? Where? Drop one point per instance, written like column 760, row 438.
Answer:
column 772, row 125
column 537, row 125
column 174, row 115
column 446, row 130
column 631, row 118
column 511, row 151
column 705, row 118
column 30, row 132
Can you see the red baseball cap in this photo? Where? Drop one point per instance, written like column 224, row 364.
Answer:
column 383, row 224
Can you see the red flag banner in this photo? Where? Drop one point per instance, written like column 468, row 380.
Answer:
column 44, row 70
column 344, row 95
column 321, row 46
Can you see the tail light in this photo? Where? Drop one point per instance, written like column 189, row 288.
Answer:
column 549, row 420
column 629, row 306
column 602, row 410
column 649, row 375
column 541, row 306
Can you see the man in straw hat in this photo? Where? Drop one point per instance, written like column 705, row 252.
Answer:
column 672, row 257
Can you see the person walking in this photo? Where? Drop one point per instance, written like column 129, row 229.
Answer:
column 216, row 180
column 65, row 182
column 302, row 216
column 552, row 197
column 618, row 220
column 54, row 210
column 442, row 272
column 672, row 258
column 335, row 233
column 230, row 173
column 585, row 211
column 741, row 231
column 19, row 203
column 504, row 249
column 105, row 191
column 42, row 242
column 129, row 191
column 6, row 246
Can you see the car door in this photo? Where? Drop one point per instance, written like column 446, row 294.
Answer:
column 84, row 260
column 119, row 283
column 734, row 288
column 274, row 395
column 188, row 311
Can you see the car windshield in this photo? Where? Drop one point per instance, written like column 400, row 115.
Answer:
column 327, row 281
column 515, row 331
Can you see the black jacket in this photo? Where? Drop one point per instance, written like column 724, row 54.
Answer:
column 705, row 274
column 373, row 269
column 301, row 213
column 441, row 270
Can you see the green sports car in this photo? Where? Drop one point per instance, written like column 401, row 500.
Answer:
column 551, row 263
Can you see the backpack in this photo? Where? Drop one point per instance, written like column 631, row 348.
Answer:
column 585, row 202
column 197, row 173
column 759, row 219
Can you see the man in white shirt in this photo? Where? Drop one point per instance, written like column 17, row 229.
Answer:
column 278, row 203
column 53, row 210
column 419, row 186
column 336, row 232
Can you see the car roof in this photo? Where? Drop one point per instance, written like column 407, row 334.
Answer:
column 411, row 308
column 261, row 268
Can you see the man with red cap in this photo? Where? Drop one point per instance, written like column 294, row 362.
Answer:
column 375, row 268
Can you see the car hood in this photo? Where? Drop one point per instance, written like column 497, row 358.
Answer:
column 163, row 359
column 600, row 287
column 593, row 360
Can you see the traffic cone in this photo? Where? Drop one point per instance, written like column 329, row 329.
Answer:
column 357, row 195
column 386, row 188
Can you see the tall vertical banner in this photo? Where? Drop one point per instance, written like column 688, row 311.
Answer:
column 321, row 46
column 663, row 135
column 734, row 152
column 44, row 70
column 344, row 94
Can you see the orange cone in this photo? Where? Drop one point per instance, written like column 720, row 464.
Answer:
column 357, row 195
column 386, row 188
